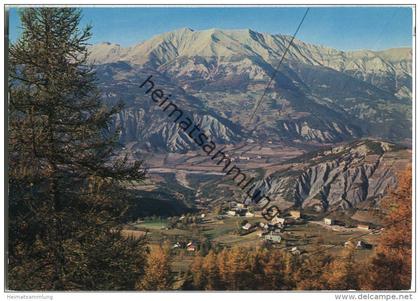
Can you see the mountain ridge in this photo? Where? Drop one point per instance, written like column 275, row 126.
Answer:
column 319, row 94
column 229, row 45
column 200, row 35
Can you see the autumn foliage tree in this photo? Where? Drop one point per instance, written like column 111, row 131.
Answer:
column 66, row 195
column 309, row 274
column 390, row 269
column 342, row 273
column 241, row 268
column 158, row 271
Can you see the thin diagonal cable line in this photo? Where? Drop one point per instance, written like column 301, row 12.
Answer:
column 278, row 65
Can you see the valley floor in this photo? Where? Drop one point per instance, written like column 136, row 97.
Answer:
column 209, row 196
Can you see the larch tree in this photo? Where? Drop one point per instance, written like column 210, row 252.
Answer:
column 197, row 274
column 158, row 271
column 273, row 268
column 341, row 273
column 390, row 268
column 223, row 268
column 309, row 274
column 67, row 188
column 209, row 267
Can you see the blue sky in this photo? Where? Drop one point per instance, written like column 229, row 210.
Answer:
column 345, row 28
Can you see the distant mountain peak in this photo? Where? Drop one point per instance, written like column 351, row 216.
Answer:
column 185, row 29
column 228, row 44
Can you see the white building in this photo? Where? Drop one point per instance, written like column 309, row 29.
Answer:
column 247, row 226
column 249, row 214
column 277, row 220
column 231, row 212
column 273, row 237
column 329, row 221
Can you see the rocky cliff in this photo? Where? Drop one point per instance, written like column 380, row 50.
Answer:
column 349, row 176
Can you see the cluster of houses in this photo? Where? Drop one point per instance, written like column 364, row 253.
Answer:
column 272, row 230
column 190, row 246
column 243, row 157
column 333, row 222
column 276, row 225
column 183, row 221
column 246, row 158
column 273, row 236
column 195, row 218
column 239, row 209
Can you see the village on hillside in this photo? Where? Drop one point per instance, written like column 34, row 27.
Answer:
column 295, row 230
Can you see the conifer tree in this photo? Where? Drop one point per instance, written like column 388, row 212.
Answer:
column 390, row 269
column 273, row 271
column 209, row 267
column 158, row 271
column 309, row 274
column 67, row 190
column 197, row 275
column 341, row 273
